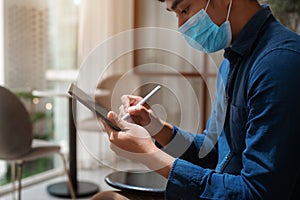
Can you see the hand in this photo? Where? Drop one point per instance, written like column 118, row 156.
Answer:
column 132, row 142
column 142, row 115
column 135, row 143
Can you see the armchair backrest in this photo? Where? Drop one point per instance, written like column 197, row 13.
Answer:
column 15, row 126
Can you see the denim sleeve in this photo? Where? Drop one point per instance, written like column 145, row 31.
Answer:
column 209, row 161
column 270, row 159
column 201, row 149
column 186, row 145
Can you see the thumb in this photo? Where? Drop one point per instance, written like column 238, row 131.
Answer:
column 122, row 124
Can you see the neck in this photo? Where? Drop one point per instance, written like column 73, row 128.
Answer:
column 241, row 13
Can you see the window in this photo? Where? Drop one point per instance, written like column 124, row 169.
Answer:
column 39, row 40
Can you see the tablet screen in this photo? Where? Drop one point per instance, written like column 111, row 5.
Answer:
column 86, row 100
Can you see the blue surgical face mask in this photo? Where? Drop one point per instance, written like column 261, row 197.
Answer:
column 203, row 34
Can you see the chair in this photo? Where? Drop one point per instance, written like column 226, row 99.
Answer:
column 17, row 144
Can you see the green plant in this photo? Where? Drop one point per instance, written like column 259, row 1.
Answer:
column 30, row 168
column 38, row 115
column 287, row 11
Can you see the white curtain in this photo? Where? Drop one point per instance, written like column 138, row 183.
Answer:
column 99, row 22
column 1, row 43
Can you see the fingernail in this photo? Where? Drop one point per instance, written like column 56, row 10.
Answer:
column 132, row 109
column 115, row 116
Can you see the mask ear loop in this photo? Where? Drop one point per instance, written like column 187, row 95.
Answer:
column 207, row 5
column 229, row 10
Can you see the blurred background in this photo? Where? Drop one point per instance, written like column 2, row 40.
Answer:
column 44, row 44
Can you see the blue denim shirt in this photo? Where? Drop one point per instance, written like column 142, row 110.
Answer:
column 250, row 147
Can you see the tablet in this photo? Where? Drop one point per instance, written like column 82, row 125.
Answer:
column 86, row 100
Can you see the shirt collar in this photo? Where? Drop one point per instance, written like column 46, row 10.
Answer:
column 250, row 33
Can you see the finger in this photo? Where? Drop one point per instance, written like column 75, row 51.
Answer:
column 113, row 135
column 125, row 102
column 130, row 100
column 113, row 117
column 138, row 110
column 107, row 128
column 122, row 111
column 147, row 106
column 140, row 115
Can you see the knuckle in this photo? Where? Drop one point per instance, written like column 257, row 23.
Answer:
column 119, row 120
column 124, row 98
column 121, row 108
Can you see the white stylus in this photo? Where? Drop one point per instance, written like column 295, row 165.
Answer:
column 150, row 94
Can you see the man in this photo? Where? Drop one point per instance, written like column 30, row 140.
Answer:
column 256, row 156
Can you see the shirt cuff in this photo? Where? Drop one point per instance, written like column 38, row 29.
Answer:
column 174, row 132
column 184, row 180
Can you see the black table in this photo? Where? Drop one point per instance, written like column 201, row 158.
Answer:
column 137, row 181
